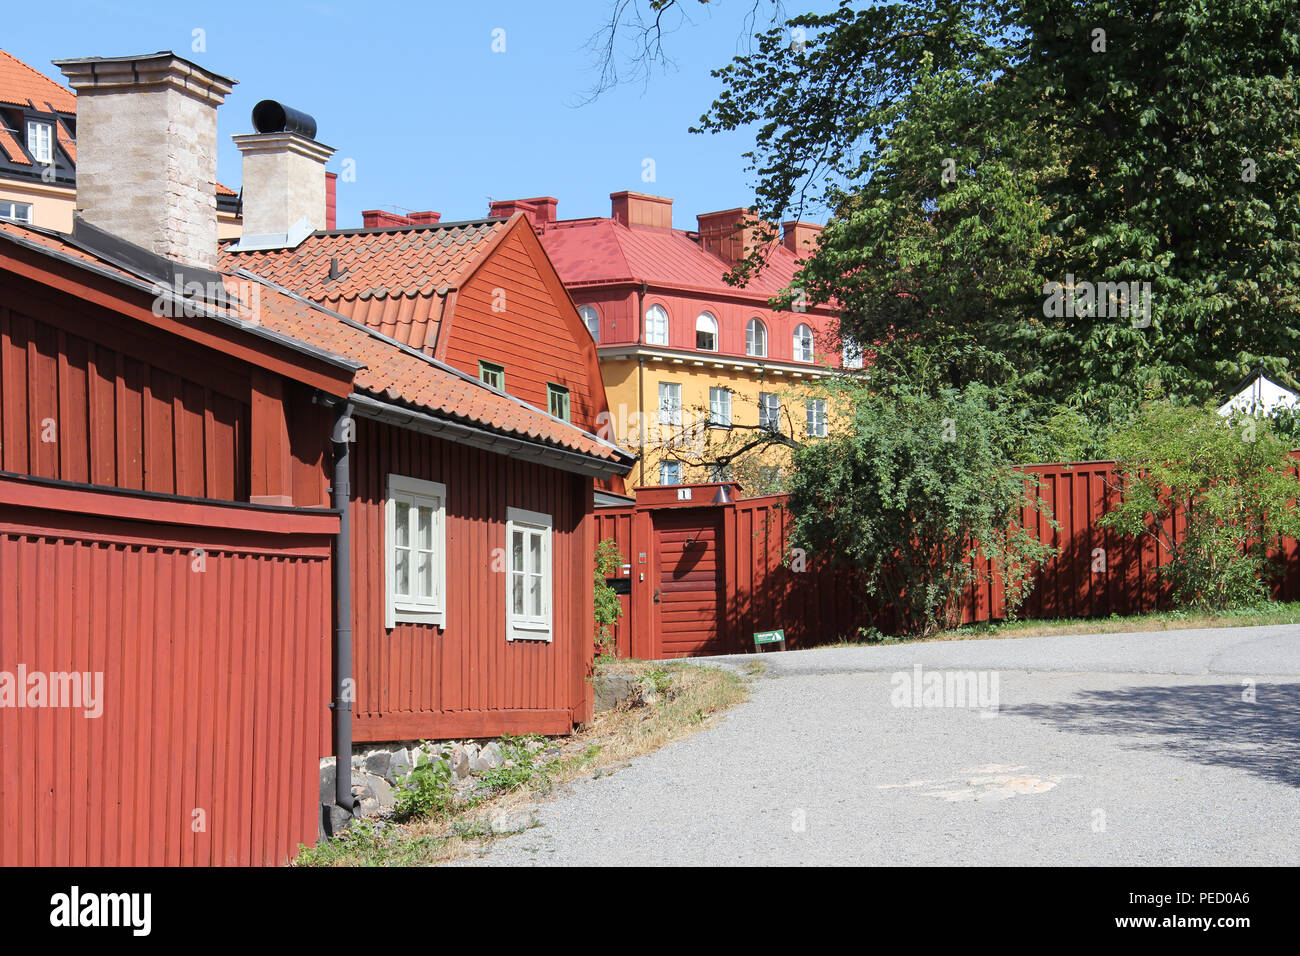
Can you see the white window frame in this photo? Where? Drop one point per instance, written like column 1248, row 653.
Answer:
column 710, row 327
column 804, row 348
column 415, row 608
column 756, row 337
column 769, row 410
column 591, row 318
column 670, row 412
column 528, row 627
column 40, row 141
column 676, row 466
column 815, row 409
column 719, row 407
column 852, row 355
column 9, row 211
column 656, row 325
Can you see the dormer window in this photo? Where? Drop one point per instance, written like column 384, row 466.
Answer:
column 40, row 141
column 706, row 332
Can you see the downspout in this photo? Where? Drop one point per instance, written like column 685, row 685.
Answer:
column 640, row 379
column 342, row 437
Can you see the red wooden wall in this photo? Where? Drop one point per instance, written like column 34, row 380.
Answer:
column 78, row 403
column 216, row 678
column 538, row 335
column 417, row 681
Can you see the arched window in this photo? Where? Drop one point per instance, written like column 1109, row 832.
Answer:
column 803, row 344
column 852, row 354
column 756, row 338
column 592, row 318
column 706, row 332
column 656, row 325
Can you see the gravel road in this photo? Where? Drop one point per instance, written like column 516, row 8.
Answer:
column 1117, row 749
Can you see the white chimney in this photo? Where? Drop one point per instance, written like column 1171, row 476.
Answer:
column 147, row 151
column 284, row 177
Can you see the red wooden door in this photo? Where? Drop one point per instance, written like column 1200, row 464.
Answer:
column 690, row 599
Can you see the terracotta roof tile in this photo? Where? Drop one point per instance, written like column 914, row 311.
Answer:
column 12, row 149
column 390, row 277
column 21, row 85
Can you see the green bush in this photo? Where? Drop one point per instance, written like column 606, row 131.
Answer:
column 911, row 494
column 608, row 607
column 426, row 791
column 1233, row 482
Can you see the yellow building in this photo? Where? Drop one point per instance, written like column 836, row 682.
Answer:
column 694, row 368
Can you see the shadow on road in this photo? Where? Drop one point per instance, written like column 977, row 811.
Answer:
column 1208, row 724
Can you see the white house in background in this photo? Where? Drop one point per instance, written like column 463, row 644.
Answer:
column 1260, row 395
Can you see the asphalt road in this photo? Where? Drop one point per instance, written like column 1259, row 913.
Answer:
column 1142, row 749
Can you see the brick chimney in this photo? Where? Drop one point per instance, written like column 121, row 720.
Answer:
column 800, row 237
column 640, row 209
column 147, row 151
column 331, row 200
column 284, row 175
column 383, row 219
column 539, row 210
column 726, row 235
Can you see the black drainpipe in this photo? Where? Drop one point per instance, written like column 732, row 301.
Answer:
column 343, row 436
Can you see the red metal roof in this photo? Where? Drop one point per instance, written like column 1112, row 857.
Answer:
column 390, row 373
column 605, row 251
column 390, row 278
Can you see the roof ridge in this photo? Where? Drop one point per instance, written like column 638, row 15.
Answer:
column 409, row 227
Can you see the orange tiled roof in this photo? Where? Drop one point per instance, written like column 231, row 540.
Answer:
column 390, row 278
column 390, row 372
column 20, row 85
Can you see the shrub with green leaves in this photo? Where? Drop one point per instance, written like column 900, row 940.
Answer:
column 426, row 791
column 1231, row 479
column 912, row 493
column 608, row 607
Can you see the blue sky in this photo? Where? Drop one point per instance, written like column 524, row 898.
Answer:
column 432, row 116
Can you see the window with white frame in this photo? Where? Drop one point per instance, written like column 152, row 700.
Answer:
column 706, row 332
column 592, row 319
column 720, row 407
column 16, row 211
column 803, row 344
column 769, row 411
column 756, row 338
column 670, row 472
column 415, row 549
column 40, row 141
column 670, row 403
column 529, row 575
column 656, row 325
column 852, row 354
column 816, row 411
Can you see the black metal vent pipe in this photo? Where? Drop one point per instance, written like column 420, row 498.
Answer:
column 272, row 117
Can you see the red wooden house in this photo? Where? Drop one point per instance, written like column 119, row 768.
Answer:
column 256, row 518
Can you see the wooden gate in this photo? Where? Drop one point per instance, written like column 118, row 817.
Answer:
column 690, row 599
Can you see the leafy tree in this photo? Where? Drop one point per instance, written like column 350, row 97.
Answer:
column 1232, row 481
column 911, row 493
column 970, row 154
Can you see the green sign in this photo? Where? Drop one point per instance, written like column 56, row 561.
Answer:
column 769, row 637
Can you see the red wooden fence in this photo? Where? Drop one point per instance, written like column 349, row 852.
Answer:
column 1095, row 572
